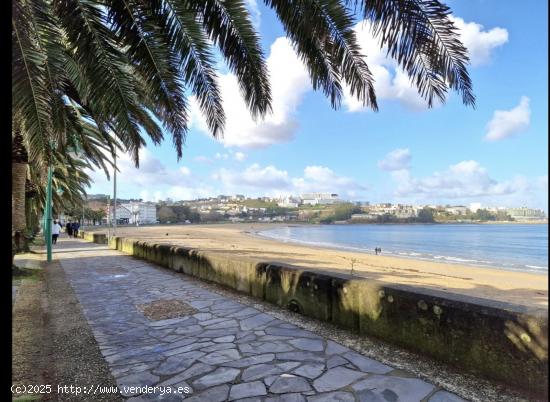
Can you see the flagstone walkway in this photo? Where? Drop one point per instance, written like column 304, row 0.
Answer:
column 221, row 350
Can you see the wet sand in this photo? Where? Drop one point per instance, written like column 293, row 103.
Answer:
column 241, row 240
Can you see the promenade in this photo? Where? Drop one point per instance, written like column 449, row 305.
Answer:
column 158, row 328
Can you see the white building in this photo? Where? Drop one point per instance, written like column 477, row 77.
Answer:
column 137, row 213
column 288, row 202
column 474, row 206
column 457, row 210
column 123, row 214
column 525, row 213
column 319, row 198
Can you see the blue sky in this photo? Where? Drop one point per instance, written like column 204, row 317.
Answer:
column 404, row 153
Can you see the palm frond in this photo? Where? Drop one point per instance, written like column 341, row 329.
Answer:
column 30, row 95
column 228, row 25
column 422, row 38
column 187, row 39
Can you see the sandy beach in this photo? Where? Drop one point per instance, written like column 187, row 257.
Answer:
column 241, row 240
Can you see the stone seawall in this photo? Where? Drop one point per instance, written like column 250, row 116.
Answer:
column 500, row 341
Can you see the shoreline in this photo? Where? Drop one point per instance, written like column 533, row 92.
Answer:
column 239, row 240
column 494, row 266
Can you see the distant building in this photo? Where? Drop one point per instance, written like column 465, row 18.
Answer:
column 525, row 213
column 136, row 213
column 288, row 202
column 123, row 215
column 319, row 198
column 474, row 206
column 457, row 210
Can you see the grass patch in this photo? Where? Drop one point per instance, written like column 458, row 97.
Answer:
column 25, row 273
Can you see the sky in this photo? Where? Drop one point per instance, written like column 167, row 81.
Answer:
column 495, row 154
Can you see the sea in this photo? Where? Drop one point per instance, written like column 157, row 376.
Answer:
column 512, row 247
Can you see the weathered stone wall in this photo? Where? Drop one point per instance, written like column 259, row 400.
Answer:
column 501, row 341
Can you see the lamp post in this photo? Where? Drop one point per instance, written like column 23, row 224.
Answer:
column 48, row 216
column 114, row 197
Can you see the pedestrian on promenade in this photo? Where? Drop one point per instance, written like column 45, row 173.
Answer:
column 56, row 229
column 76, row 226
column 69, row 228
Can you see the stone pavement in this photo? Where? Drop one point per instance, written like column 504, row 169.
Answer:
column 221, row 351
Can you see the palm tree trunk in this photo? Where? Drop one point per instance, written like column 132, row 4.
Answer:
column 19, row 165
column 19, row 222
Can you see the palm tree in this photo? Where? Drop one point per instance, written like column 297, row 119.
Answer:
column 131, row 65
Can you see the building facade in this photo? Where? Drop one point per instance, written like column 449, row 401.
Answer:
column 319, row 198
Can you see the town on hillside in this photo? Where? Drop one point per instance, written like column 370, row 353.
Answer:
column 305, row 208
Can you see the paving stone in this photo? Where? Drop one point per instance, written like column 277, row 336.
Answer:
column 190, row 329
column 444, row 396
column 246, row 390
column 367, row 365
column 194, row 370
column 223, row 339
column 288, row 384
column 255, row 321
column 312, row 345
column 366, row 395
column 335, row 378
column 332, row 397
column 220, row 376
column 136, row 380
column 215, row 394
column 202, row 316
column 216, row 333
column 250, row 361
column 310, row 370
column 291, row 332
column 176, row 364
column 260, row 371
column 222, row 342
column 265, row 347
column 270, row 379
column 301, row 356
column 334, row 348
column 293, row 397
column 404, row 389
column 221, row 356
column 218, row 346
column 335, row 361
column 187, row 348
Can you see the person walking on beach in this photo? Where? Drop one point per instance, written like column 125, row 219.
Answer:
column 376, row 250
column 56, row 229
column 69, row 228
column 76, row 226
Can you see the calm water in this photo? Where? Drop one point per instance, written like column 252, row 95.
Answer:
column 513, row 247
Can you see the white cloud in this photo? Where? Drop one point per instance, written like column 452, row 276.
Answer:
column 202, row 159
column 506, row 123
column 289, row 82
column 396, row 160
column 272, row 181
column 392, row 83
column 239, row 156
column 479, row 43
column 254, row 176
column 255, row 14
column 153, row 181
column 469, row 180
column 221, row 156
